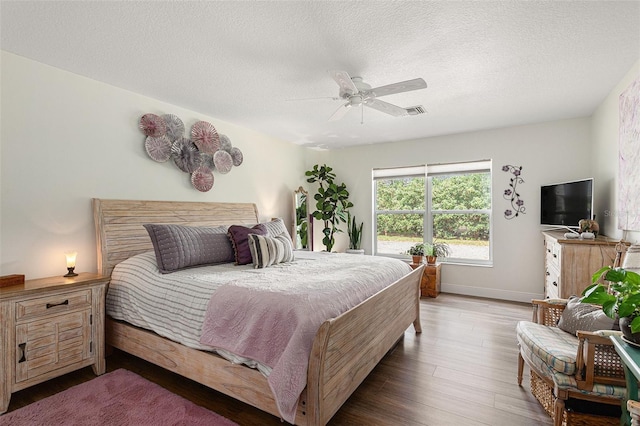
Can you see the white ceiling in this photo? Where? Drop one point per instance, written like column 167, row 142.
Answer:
column 487, row 64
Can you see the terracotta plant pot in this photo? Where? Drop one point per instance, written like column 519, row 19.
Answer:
column 417, row 260
column 431, row 260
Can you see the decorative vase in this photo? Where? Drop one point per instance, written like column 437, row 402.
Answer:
column 625, row 327
column 431, row 260
column 417, row 259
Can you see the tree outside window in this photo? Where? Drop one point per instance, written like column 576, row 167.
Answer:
column 444, row 205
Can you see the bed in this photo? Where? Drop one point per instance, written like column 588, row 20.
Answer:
column 344, row 350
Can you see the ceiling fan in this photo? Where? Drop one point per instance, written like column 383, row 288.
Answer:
column 357, row 93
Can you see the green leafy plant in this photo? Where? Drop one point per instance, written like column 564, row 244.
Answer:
column 332, row 202
column 621, row 298
column 355, row 232
column 437, row 249
column 417, row 249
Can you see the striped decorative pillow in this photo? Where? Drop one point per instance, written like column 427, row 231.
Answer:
column 267, row 251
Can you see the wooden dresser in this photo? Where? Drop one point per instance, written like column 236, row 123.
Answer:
column 49, row 327
column 570, row 263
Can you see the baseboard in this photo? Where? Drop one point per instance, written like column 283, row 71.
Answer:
column 491, row 293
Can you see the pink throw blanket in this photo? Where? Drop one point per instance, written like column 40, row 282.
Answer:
column 276, row 325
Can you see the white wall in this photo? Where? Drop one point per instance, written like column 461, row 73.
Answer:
column 67, row 138
column 548, row 152
column 605, row 137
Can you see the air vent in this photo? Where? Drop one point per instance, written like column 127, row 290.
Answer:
column 415, row 110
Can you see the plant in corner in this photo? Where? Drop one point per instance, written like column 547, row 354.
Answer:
column 621, row 298
column 436, row 249
column 354, row 231
column 332, row 202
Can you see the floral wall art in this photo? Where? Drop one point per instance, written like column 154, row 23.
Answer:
column 511, row 193
column 199, row 155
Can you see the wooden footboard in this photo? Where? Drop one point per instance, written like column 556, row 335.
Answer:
column 348, row 347
column 344, row 352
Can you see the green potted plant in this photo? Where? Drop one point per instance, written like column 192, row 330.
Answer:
column 355, row 235
column 417, row 252
column 621, row 298
column 332, row 202
column 436, row 249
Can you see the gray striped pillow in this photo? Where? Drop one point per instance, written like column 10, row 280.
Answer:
column 267, row 251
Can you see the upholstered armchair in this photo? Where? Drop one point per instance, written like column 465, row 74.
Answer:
column 567, row 367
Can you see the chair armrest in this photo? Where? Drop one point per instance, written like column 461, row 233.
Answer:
column 548, row 311
column 597, row 362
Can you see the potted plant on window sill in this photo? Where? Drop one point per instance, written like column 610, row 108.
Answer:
column 619, row 299
column 417, row 252
column 435, row 250
column 355, row 235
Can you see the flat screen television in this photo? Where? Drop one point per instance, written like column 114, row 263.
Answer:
column 564, row 204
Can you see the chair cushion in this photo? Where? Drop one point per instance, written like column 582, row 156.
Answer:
column 567, row 382
column 557, row 348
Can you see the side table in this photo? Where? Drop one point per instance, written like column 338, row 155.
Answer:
column 430, row 283
column 630, row 357
column 50, row 326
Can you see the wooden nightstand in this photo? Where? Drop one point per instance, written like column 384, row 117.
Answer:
column 49, row 327
column 430, row 283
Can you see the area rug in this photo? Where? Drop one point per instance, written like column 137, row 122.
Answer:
column 118, row 398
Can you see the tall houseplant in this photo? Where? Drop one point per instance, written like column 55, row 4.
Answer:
column 332, row 202
column 621, row 298
column 355, row 232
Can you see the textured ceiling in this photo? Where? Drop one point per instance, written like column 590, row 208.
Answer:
column 486, row 64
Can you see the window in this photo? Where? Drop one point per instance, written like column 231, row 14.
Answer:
column 443, row 202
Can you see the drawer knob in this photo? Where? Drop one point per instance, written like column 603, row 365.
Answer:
column 555, row 284
column 51, row 305
column 22, row 347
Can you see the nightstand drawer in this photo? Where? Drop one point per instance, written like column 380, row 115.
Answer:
column 53, row 304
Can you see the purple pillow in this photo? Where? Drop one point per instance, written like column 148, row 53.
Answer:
column 179, row 247
column 239, row 236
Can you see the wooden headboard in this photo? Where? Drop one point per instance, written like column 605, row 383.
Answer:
column 119, row 230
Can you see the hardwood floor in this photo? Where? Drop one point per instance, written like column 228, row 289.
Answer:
column 460, row 370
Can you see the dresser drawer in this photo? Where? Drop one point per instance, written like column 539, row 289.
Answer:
column 553, row 254
column 53, row 304
column 552, row 282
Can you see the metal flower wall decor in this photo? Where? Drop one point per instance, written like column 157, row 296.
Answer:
column 511, row 193
column 199, row 156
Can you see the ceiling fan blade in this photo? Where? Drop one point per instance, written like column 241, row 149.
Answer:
column 344, row 81
column 403, row 86
column 340, row 112
column 333, row 98
column 386, row 107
